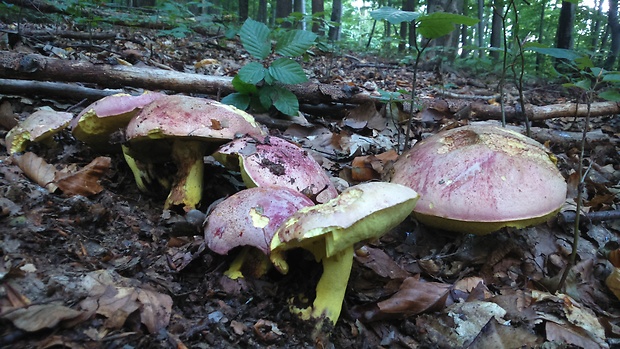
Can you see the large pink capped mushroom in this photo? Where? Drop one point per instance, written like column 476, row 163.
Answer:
column 95, row 123
column 480, row 178
column 182, row 129
column 271, row 160
column 250, row 218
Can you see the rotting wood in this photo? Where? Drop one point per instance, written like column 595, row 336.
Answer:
column 38, row 67
column 41, row 68
column 481, row 111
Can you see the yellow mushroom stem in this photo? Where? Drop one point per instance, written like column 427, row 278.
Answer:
column 253, row 262
column 186, row 190
column 143, row 173
column 331, row 287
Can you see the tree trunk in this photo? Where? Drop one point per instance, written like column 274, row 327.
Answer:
column 614, row 27
column 596, row 25
column 334, row 31
column 283, row 9
column 465, row 40
column 540, row 58
column 405, row 26
column 480, row 27
column 262, row 11
column 450, row 41
column 244, row 7
column 318, row 6
column 566, row 23
column 300, row 7
column 496, row 28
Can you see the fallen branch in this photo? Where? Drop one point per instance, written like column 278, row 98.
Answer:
column 38, row 67
column 481, row 111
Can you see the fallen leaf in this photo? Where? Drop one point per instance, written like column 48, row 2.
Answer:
column 84, row 182
column 38, row 317
column 414, row 297
column 112, row 296
column 37, row 169
column 496, row 335
column 380, row 263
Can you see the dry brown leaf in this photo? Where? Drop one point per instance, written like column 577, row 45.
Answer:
column 111, row 296
column 496, row 335
column 380, row 263
column 414, row 297
column 156, row 309
column 566, row 333
column 38, row 317
column 37, row 169
column 84, row 182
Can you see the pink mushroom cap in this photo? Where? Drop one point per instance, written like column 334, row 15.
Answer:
column 480, row 178
column 251, row 217
column 274, row 161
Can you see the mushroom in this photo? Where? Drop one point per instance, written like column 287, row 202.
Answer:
column 330, row 230
column 39, row 126
column 480, row 178
column 182, row 128
column 95, row 123
column 249, row 218
column 272, row 160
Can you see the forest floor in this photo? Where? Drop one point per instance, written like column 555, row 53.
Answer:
column 113, row 270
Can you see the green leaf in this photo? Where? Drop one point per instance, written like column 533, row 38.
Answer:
column 556, row 52
column 612, row 77
column 239, row 100
column 610, row 95
column 584, row 84
column 287, row 71
column 294, row 43
column 255, row 38
column 584, row 62
column 393, row 15
column 284, row 100
column 438, row 24
column 243, row 87
column 252, row 73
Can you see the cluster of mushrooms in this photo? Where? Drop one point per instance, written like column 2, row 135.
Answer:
column 472, row 179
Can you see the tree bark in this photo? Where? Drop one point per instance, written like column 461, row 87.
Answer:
column 283, row 9
column 334, row 31
column 262, row 11
column 496, row 28
column 566, row 23
column 614, row 28
column 36, row 67
column 244, row 8
column 318, row 6
column 480, row 26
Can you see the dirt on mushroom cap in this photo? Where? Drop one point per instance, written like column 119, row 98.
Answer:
column 251, row 217
column 185, row 116
column 481, row 173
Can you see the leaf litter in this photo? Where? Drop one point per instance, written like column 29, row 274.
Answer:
column 97, row 262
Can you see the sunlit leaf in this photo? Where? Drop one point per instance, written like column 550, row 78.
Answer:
column 438, row 24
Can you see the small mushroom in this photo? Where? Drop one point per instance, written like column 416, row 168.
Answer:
column 95, row 123
column 183, row 129
column 39, row 126
column 330, row 230
column 271, row 160
column 249, row 218
column 480, row 178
